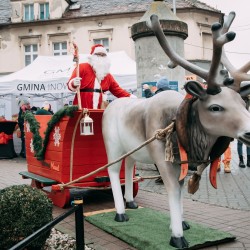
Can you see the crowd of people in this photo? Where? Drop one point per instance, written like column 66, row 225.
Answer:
column 24, row 106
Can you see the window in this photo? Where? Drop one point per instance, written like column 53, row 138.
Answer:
column 30, row 53
column 102, row 41
column 44, row 11
column 60, row 49
column 29, row 12
column 101, row 36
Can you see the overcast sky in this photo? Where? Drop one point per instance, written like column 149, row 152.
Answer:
column 238, row 51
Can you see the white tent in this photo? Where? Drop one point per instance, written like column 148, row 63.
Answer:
column 46, row 78
column 49, row 74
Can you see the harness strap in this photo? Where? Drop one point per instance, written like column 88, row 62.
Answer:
column 184, row 167
column 184, row 162
column 213, row 172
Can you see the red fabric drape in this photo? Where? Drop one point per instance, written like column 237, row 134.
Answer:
column 4, row 138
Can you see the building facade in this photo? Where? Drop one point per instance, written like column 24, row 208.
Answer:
column 29, row 28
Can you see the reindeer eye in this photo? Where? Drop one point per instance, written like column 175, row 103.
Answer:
column 215, row 108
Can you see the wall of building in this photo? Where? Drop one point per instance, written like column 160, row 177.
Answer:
column 84, row 30
column 198, row 44
column 45, row 33
column 57, row 8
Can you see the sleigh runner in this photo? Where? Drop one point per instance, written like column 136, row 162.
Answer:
column 67, row 156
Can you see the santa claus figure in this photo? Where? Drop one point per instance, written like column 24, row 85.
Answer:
column 94, row 80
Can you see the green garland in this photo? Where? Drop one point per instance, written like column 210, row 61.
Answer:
column 34, row 129
column 39, row 144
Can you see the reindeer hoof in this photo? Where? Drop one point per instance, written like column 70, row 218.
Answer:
column 131, row 205
column 185, row 225
column 121, row 217
column 193, row 183
column 179, row 242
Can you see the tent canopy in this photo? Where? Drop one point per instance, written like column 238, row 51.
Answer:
column 50, row 74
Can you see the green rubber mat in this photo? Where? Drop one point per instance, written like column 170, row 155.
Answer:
column 148, row 229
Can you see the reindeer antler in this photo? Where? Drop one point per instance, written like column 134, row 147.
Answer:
column 174, row 57
column 240, row 74
column 213, row 77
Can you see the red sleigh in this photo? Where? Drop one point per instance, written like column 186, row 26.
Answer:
column 68, row 156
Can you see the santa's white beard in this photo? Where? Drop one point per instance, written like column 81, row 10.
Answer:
column 101, row 65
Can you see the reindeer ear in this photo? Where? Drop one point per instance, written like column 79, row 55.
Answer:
column 245, row 90
column 195, row 89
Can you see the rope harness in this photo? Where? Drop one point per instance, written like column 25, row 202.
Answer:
column 136, row 179
column 160, row 134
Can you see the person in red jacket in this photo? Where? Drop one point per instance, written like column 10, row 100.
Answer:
column 95, row 79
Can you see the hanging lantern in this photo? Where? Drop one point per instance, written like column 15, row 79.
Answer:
column 86, row 125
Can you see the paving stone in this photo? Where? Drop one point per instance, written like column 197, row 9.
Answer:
column 227, row 208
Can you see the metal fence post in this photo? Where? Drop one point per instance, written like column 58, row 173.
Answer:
column 79, row 225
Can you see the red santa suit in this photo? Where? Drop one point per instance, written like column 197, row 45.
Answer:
column 91, row 89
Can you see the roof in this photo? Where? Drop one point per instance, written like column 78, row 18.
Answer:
column 5, row 11
column 106, row 7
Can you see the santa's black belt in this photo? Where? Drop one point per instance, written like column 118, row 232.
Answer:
column 90, row 90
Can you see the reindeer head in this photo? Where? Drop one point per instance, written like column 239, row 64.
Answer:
column 221, row 110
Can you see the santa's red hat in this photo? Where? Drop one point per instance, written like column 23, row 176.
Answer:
column 98, row 48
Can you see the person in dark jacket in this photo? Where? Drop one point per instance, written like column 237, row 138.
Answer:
column 162, row 84
column 240, row 144
column 24, row 105
column 45, row 110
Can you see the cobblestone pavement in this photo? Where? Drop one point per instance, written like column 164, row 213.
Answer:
column 233, row 190
column 227, row 208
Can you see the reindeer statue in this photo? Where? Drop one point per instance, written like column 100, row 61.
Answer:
column 204, row 126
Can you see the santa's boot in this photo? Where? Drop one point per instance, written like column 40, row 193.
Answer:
column 248, row 160
column 241, row 163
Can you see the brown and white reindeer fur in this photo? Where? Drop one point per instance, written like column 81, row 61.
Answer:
column 215, row 112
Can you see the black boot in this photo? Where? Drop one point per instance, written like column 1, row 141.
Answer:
column 241, row 163
column 248, row 161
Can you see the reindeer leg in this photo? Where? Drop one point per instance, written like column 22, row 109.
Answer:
column 170, row 175
column 129, row 165
column 185, row 225
column 114, row 175
column 177, row 239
